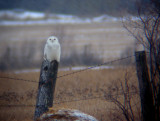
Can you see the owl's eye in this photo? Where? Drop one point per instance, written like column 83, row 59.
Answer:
column 54, row 39
column 50, row 39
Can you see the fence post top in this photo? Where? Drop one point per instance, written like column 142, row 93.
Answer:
column 140, row 47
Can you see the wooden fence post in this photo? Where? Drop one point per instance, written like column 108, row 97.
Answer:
column 145, row 88
column 46, row 87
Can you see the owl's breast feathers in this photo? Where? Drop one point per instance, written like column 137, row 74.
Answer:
column 52, row 52
column 54, row 46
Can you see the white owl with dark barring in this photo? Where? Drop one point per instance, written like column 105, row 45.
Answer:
column 52, row 49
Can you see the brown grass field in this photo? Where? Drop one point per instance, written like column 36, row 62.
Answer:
column 23, row 46
column 77, row 91
column 25, row 43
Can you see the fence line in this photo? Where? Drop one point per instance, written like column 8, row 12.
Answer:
column 75, row 100
column 5, row 77
column 20, row 105
column 91, row 67
column 88, row 68
column 106, row 97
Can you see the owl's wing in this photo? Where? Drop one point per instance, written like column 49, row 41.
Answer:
column 45, row 54
column 58, row 52
column 45, row 57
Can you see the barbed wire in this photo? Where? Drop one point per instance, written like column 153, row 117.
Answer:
column 91, row 67
column 75, row 100
column 104, row 97
column 79, row 71
column 20, row 105
column 88, row 68
column 12, row 78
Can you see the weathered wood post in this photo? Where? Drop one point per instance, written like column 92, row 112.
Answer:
column 146, row 95
column 46, row 87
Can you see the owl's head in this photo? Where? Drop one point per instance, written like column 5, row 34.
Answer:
column 52, row 39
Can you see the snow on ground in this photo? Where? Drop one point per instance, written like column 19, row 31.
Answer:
column 21, row 17
column 66, row 115
column 77, row 68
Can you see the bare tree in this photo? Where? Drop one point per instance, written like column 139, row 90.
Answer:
column 123, row 94
column 146, row 30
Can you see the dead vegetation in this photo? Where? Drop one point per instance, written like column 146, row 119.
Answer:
column 22, row 46
column 85, row 91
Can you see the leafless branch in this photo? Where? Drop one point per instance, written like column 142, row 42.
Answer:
column 146, row 31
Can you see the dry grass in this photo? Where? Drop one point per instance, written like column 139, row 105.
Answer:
column 88, row 84
column 24, row 44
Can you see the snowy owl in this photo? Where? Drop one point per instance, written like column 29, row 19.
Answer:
column 52, row 49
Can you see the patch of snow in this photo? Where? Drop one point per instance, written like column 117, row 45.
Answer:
column 67, row 115
column 103, row 67
column 64, row 69
column 47, row 21
column 133, row 18
column 78, row 114
column 26, row 71
column 105, row 18
column 77, row 68
column 33, row 15
column 12, row 17
column 22, row 17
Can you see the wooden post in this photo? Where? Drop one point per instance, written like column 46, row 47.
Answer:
column 46, row 87
column 146, row 95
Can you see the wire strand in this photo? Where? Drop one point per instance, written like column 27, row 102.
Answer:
column 106, row 97
column 79, row 71
column 4, row 77
column 105, row 63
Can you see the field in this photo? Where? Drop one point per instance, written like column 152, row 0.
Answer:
column 78, row 91
column 102, row 42
column 91, row 91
